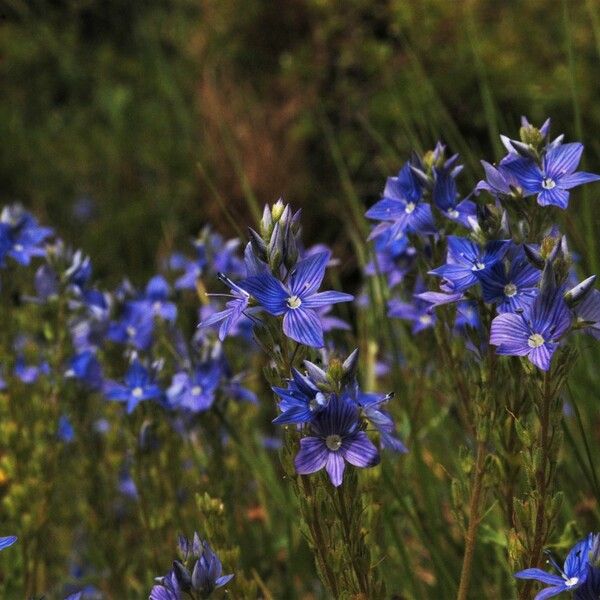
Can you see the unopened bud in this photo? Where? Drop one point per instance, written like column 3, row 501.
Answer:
column 580, row 292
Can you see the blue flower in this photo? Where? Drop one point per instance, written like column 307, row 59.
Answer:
column 65, row 432
column 139, row 386
column 572, row 576
column 156, row 299
column 135, row 327
column 86, row 368
column 445, row 194
column 466, row 262
column 372, row 408
column 418, row 311
column 300, row 401
column 21, row 237
column 7, row 541
column 337, row 439
column 197, row 581
column 167, row 588
column 552, row 180
column 499, row 181
column 535, row 333
column 401, row 207
column 297, row 299
column 30, row 373
column 195, row 391
column 513, row 288
column 233, row 312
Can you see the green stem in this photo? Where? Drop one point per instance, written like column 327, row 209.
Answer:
column 474, row 519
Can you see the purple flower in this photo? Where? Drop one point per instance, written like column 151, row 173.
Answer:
column 418, row 311
column 466, row 262
column 552, row 180
column 499, row 181
column 139, row 386
column 572, row 576
column 445, row 195
column 167, row 588
column 298, row 299
column 86, row 368
column 534, row 333
column 337, row 439
column 513, row 288
column 66, row 433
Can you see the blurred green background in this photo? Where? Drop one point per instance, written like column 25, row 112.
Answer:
column 128, row 125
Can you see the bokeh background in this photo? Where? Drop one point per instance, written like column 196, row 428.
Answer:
column 128, row 125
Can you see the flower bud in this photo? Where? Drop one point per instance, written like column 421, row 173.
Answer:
column 266, row 223
column 258, row 245
column 580, row 292
column 277, row 210
column 534, row 256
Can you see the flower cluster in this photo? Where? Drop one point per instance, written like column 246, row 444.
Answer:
column 504, row 256
column 197, row 575
column 335, row 414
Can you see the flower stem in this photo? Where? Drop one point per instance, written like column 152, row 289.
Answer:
column 474, row 518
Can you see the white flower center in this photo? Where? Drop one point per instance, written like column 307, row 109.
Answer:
column 156, row 306
column 478, row 266
column 571, row 581
column 453, row 213
column 535, row 340
column 137, row 392
column 196, row 390
column 410, row 207
column 425, row 319
column 548, row 183
column 510, row 289
column 18, row 248
column 131, row 331
column 294, row 302
column 333, row 442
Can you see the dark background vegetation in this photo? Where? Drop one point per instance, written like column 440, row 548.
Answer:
column 128, row 125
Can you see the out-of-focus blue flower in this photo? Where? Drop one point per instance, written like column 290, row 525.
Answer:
column 417, row 311
column 571, row 577
column 21, row 237
column 65, row 432
column 551, row 181
column 156, row 299
column 86, row 368
column 297, row 299
column 466, row 262
column 337, row 439
column 139, row 386
column 511, row 287
column 7, row 541
column 372, row 408
column 233, row 312
column 135, row 327
column 30, row 373
column 535, row 333
column 393, row 258
column 195, row 390
column 467, row 315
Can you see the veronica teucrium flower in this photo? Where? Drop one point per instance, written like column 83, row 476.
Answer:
column 337, row 438
column 551, row 181
column 466, row 261
column 297, row 299
column 572, row 576
column 300, row 401
column 535, row 332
